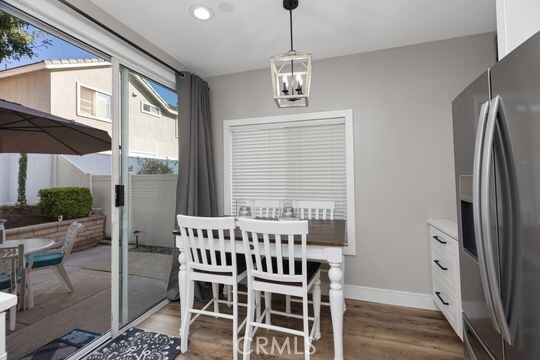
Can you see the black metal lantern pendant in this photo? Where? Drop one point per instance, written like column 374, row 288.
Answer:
column 291, row 71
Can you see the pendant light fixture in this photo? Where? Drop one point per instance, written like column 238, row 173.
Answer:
column 291, row 72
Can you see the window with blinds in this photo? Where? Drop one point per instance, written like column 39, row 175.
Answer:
column 299, row 160
column 86, row 101
column 94, row 103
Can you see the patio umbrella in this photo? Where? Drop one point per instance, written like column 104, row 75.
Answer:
column 25, row 130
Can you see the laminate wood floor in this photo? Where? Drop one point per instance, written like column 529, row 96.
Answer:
column 371, row 331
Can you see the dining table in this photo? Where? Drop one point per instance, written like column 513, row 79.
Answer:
column 326, row 241
column 30, row 245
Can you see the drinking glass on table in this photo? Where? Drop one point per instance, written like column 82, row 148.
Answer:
column 245, row 211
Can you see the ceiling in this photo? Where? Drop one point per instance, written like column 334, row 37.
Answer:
column 246, row 37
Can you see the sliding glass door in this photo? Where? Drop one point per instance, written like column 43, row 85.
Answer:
column 148, row 174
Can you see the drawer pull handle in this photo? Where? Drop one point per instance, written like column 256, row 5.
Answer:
column 438, row 239
column 439, row 265
column 438, row 293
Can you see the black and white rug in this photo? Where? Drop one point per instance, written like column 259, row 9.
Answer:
column 139, row 344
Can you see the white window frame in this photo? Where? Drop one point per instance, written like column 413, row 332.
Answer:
column 89, row 116
column 228, row 126
column 149, row 112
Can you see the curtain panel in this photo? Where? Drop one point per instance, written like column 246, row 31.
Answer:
column 196, row 188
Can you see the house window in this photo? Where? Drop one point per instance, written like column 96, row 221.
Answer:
column 150, row 109
column 299, row 157
column 94, row 103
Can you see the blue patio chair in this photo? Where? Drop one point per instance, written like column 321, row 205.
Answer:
column 12, row 276
column 52, row 259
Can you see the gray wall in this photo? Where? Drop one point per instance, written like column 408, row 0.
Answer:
column 401, row 100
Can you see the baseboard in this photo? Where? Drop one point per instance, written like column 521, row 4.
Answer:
column 390, row 297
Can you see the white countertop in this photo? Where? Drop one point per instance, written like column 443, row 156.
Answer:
column 7, row 301
column 447, row 226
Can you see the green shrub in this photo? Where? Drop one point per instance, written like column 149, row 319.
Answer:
column 70, row 202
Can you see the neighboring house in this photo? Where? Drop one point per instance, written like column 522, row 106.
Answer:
column 80, row 89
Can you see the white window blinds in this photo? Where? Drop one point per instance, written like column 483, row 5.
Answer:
column 94, row 103
column 300, row 160
column 87, row 101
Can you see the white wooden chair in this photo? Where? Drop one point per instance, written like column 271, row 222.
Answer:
column 273, row 270
column 268, row 208
column 12, row 277
column 311, row 210
column 314, row 209
column 206, row 263
column 52, row 259
column 262, row 208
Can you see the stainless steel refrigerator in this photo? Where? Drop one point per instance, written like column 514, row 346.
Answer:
column 496, row 123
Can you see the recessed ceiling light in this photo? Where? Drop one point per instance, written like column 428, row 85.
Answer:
column 201, row 12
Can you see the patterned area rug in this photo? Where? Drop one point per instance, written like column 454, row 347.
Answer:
column 139, row 344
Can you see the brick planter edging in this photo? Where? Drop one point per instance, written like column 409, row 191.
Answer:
column 89, row 235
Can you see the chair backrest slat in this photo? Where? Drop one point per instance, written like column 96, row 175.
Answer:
column 210, row 235
column 267, row 253
column 257, row 253
column 290, row 241
column 314, row 209
column 192, row 245
column 202, row 246
column 283, row 268
column 279, row 255
column 198, row 236
column 221, row 238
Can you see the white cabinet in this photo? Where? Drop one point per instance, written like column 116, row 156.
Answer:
column 445, row 271
column 517, row 20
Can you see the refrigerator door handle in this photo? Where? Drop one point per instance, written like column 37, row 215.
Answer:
column 478, row 231
column 485, row 204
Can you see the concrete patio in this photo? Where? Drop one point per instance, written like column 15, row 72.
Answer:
column 56, row 312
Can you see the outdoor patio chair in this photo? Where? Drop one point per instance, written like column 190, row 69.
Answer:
column 12, row 277
column 52, row 259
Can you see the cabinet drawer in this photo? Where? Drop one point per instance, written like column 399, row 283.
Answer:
column 443, row 242
column 445, row 267
column 447, row 302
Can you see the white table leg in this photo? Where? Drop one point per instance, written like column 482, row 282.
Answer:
column 335, row 273
column 343, row 282
column 182, row 286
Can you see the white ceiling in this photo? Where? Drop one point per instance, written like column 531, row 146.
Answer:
column 245, row 38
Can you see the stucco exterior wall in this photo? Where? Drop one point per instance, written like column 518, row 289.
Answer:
column 64, row 92
column 31, row 89
column 148, row 134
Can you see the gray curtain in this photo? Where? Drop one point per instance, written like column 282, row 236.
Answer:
column 196, row 188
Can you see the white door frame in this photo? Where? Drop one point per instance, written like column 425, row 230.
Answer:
column 56, row 16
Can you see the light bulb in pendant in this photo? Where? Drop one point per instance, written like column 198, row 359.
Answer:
column 299, row 79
